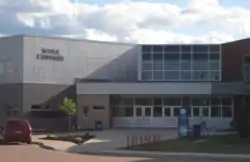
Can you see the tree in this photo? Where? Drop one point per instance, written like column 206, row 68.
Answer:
column 69, row 107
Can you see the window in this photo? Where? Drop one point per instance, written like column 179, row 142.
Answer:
column 158, row 65
column 129, row 112
column 200, row 102
column 98, row 107
column 171, row 48
column 158, row 75
column 186, row 48
column 214, row 56
column 172, row 65
column 200, row 48
column 167, row 111
column 157, row 48
column 172, row 101
column 200, row 75
column 214, row 65
column 157, row 56
column 215, row 75
column 138, row 111
column 147, row 65
column 200, row 65
column 146, row 48
column 127, row 100
column 215, row 101
column 214, row 48
column 200, row 56
column 205, row 112
column 186, row 56
column 85, row 111
column 186, row 65
column 196, row 111
column 227, row 112
column 157, row 101
column 157, row 111
column 171, row 75
column 171, row 56
column 215, row 111
column 186, row 75
column 146, row 75
column 147, row 57
column 226, row 101
column 176, row 111
column 143, row 101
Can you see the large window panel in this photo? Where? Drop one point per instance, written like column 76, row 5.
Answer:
column 186, row 48
column 147, row 65
column 215, row 75
column 200, row 56
column 172, row 101
column 147, row 57
column 214, row 65
column 214, row 48
column 158, row 65
column 200, row 48
column 146, row 75
column 185, row 65
column 186, row 75
column 171, row 56
column 214, row 56
column 158, row 48
column 158, row 101
column 186, row 56
column 158, row 75
column 196, row 112
column 172, row 48
column 172, row 65
column 146, row 48
column 215, row 111
column 172, row 75
column 157, row 56
column 157, row 111
column 143, row 101
column 200, row 75
column 247, row 59
column 200, row 102
column 200, row 65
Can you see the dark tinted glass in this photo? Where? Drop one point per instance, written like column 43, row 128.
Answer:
column 247, row 59
column 171, row 56
column 157, row 48
column 214, row 56
column 146, row 56
column 186, row 56
column 200, row 56
column 186, row 48
column 172, row 48
column 146, row 48
column 200, row 48
column 214, row 48
column 157, row 56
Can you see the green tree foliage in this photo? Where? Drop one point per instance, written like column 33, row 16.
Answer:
column 69, row 107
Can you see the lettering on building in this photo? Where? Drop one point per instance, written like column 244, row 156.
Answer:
column 49, row 54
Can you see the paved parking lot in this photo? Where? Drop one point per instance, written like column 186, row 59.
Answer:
column 32, row 153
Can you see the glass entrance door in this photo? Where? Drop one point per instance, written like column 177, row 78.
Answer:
column 143, row 116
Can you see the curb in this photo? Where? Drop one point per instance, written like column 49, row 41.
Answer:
column 43, row 146
column 154, row 153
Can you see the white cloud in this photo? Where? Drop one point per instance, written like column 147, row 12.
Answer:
column 201, row 21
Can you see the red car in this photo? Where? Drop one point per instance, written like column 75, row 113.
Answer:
column 17, row 130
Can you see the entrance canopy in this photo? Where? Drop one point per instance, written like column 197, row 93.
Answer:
column 158, row 88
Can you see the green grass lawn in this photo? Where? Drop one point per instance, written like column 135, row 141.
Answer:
column 229, row 144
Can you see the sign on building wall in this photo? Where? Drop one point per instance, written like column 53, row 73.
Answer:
column 49, row 54
column 183, row 124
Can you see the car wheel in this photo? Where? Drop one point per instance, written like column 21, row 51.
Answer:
column 29, row 141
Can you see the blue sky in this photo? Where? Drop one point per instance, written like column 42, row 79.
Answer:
column 228, row 3
column 181, row 21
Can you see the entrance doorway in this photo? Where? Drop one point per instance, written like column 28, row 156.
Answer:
column 143, row 116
